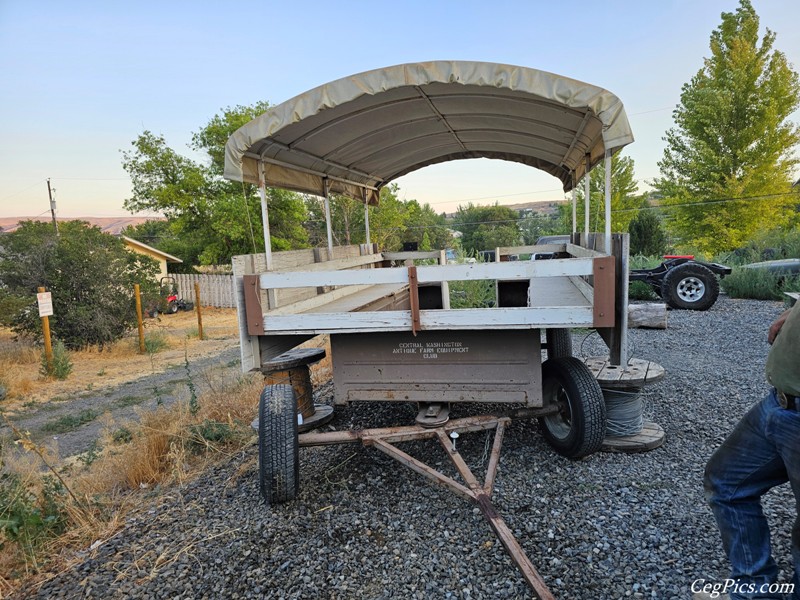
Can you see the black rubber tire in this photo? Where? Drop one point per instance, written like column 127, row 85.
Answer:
column 172, row 308
column 559, row 343
column 579, row 429
column 691, row 287
column 278, row 449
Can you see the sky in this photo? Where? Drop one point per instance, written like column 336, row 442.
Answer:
column 81, row 80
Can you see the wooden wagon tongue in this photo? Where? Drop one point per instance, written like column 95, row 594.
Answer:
column 384, row 439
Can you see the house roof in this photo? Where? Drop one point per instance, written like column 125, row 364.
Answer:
column 150, row 249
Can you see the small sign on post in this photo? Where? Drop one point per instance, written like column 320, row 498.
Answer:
column 45, row 301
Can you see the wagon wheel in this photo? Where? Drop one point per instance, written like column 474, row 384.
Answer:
column 278, row 456
column 690, row 286
column 559, row 343
column 578, row 429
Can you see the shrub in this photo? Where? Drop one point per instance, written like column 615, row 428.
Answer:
column 29, row 517
column 759, row 284
column 647, row 234
column 61, row 365
column 639, row 290
column 90, row 274
column 155, row 341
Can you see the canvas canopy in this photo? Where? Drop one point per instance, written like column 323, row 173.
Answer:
column 357, row 134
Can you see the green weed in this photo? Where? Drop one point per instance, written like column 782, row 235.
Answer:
column 70, row 422
column 155, row 341
column 122, row 435
column 28, row 519
column 61, row 365
column 211, row 432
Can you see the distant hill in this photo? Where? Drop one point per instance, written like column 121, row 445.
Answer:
column 543, row 207
column 112, row 225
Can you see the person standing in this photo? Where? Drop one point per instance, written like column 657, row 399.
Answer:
column 762, row 452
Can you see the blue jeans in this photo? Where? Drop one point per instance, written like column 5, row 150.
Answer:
column 763, row 451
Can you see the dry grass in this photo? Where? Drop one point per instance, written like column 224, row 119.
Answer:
column 166, row 447
column 17, row 360
column 115, row 364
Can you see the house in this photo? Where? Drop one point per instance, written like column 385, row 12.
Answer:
column 162, row 258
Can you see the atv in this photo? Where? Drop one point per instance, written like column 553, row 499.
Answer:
column 170, row 302
column 683, row 282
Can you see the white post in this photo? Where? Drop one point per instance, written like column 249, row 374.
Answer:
column 326, row 194
column 574, row 207
column 587, row 194
column 262, row 191
column 608, row 202
column 366, row 214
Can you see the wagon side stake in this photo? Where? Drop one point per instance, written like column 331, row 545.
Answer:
column 480, row 494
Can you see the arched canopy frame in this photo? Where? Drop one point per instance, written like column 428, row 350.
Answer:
column 357, row 134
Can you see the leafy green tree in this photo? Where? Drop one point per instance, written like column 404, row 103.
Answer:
column 90, row 274
column 214, row 218
column 536, row 225
column 392, row 222
column 729, row 158
column 647, row 234
column 486, row 227
column 624, row 199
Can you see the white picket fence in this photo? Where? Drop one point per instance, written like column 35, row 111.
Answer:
column 215, row 290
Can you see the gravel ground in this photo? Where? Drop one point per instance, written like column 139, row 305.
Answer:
column 611, row 526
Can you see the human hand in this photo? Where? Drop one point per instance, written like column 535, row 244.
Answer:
column 775, row 328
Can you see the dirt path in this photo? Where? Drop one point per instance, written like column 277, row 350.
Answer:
column 73, row 426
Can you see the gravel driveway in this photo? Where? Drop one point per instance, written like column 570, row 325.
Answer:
column 612, row 526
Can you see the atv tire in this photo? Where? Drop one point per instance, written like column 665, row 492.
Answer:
column 691, row 287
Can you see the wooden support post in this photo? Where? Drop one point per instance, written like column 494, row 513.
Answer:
column 326, row 195
column 262, row 192
column 366, row 214
column 137, row 294
column 48, row 345
column 587, row 194
column 199, row 309
column 608, row 202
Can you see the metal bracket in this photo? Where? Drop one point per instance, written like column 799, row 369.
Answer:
column 413, row 292
column 252, row 305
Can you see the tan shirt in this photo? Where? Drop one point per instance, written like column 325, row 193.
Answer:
column 783, row 361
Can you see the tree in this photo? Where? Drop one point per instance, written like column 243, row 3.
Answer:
column 486, row 227
column 536, row 225
column 216, row 218
column 392, row 222
column 647, row 234
column 624, row 200
column 90, row 274
column 729, row 158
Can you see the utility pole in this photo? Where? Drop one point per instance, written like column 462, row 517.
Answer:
column 52, row 205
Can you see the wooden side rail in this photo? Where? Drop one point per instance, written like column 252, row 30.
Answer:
column 567, row 267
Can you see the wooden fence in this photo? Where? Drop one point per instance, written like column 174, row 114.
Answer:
column 218, row 290
column 215, row 290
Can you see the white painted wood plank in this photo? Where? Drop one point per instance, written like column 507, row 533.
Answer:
column 318, row 301
column 478, row 318
column 508, row 270
column 431, row 274
column 411, row 255
column 507, row 250
column 555, row 291
column 328, row 278
column 335, row 265
column 582, row 252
